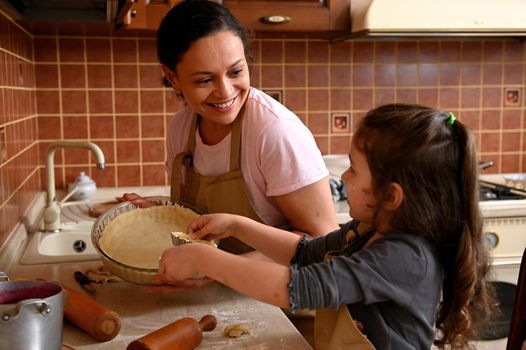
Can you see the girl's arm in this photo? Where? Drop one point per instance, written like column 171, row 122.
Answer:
column 262, row 280
column 279, row 245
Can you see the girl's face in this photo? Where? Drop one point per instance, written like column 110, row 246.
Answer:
column 358, row 185
column 213, row 77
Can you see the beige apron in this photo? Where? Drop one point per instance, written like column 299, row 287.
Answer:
column 225, row 193
column 335, row 329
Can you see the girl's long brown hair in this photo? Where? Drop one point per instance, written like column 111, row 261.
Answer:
column 433, row 159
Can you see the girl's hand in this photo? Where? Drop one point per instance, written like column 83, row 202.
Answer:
column 178, row 263
column 211, row 226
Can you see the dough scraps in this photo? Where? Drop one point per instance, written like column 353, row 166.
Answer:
column 179, row 238
column 237, row 330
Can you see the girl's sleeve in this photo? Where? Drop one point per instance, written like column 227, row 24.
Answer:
column 376, row 274
column 314, row 250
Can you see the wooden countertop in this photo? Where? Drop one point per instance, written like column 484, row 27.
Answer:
column 143, row 312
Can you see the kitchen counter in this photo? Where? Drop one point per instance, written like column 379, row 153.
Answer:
column 143, row 312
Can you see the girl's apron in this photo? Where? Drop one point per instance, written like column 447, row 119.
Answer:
column 225, row 193
column 335, row 329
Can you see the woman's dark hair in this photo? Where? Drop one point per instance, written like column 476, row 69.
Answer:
column 189, row 21
column 433, row 158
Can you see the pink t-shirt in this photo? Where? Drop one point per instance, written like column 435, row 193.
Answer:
column 278, row 155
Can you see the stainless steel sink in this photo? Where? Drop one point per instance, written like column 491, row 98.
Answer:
column 72, row 243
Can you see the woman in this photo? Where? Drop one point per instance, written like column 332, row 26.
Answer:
column 233, row 148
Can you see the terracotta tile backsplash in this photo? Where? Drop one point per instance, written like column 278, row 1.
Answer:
column 87, row 84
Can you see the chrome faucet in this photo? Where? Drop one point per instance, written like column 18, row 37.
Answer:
column 53, row 209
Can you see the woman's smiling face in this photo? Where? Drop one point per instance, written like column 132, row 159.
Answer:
column 213, row 77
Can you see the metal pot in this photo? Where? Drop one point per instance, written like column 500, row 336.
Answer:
column 31, row 314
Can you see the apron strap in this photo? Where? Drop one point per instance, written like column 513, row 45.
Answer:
column 186, row 158
column 235, row 139
column 190, row 145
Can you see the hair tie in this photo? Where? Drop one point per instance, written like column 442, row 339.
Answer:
column 451, row 119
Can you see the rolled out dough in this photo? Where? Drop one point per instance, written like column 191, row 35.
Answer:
column 138, row 237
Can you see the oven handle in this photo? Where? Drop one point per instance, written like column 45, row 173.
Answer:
column 503, row 188
column 507, row 261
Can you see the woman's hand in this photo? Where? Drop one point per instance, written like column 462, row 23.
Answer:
column 137, row 200
column 211, row 226
column 178, row 286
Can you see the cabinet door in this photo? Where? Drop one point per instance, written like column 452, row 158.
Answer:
column 302, row 15
column 144, row 14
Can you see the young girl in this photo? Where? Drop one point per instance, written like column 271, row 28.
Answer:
column 411, row 262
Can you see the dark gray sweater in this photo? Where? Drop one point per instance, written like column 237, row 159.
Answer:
column 392, row 287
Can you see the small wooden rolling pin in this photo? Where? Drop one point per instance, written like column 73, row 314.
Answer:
column 183, row 334
column 97, row 320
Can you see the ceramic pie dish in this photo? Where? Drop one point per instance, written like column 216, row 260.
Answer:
column 126, row 222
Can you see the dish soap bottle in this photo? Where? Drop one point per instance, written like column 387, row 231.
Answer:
column 86, row 187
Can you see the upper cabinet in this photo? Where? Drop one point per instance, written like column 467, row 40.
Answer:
column 143, row 14
column 292, row 15
column 300, row 16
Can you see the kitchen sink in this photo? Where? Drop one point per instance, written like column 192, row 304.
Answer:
column 71, row 244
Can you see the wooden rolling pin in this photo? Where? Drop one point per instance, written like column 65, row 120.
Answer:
column 183, row 334
column 97, row 320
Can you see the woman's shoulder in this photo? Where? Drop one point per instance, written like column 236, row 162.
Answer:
column 266, row 107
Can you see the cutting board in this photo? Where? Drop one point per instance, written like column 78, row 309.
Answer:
column 100, row 208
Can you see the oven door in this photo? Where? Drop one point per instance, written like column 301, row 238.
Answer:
column 506, row 239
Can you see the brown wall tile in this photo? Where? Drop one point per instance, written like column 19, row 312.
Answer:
column 150, row 76
column 124, row 50
column 295, row 76
column 153, row 151
column 101, row 127
column 128, row 152
column 99, row 76
column 127, row 126
column 152, row 101
column 71, row 49
column 125, row 76
column 74, row 101
column 129, row 175
column 98, row 50
column 100, row 101
column 295, row 52
column 72, row 76
column 46, row 76
column 152, row 126
column 154, row 174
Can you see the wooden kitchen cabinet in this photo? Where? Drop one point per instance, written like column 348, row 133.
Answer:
column 144, row 14
column 304, row 15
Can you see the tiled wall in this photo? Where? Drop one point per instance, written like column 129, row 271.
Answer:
column 89, row 84
column 107, row 89
column 19, row 178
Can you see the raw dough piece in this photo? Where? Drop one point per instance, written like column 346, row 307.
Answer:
column 179, row 238
column 237, row 330
column 139, row 237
